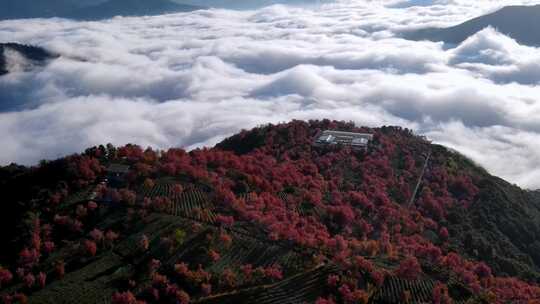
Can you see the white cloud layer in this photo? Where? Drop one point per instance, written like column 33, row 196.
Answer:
column 192, row 79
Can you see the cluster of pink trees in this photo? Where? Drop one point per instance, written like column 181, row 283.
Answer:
column 49, row 224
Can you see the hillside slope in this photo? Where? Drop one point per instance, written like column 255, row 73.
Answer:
column 513, row 21
column 266, row 217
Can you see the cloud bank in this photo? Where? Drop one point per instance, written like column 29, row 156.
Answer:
column 192, row 79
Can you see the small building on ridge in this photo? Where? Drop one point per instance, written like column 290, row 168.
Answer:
column 357, row 141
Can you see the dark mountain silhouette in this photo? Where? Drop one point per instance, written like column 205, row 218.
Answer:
column 113, row 8
column 30, row 55
column 266, row 216
column 518, row 22
column 88, row 10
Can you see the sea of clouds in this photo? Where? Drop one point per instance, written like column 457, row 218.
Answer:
column 192, row 79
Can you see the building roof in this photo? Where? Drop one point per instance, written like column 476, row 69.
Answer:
column 118, row 168
column 330, row 137
column 344, row 133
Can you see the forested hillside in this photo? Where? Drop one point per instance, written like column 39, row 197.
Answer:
column 266, row 217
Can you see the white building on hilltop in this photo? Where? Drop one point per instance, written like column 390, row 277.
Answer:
column 356, row 141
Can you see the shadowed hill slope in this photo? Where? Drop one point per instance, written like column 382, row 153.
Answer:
column 517, row 22
column 266, row 217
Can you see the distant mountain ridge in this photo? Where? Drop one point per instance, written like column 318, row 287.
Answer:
column 88, row 10
column 517, row 22
column 251, row 4
column 113, row 8
column 14, row 9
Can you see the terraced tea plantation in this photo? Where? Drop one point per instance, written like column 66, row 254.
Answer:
column 192, row 203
